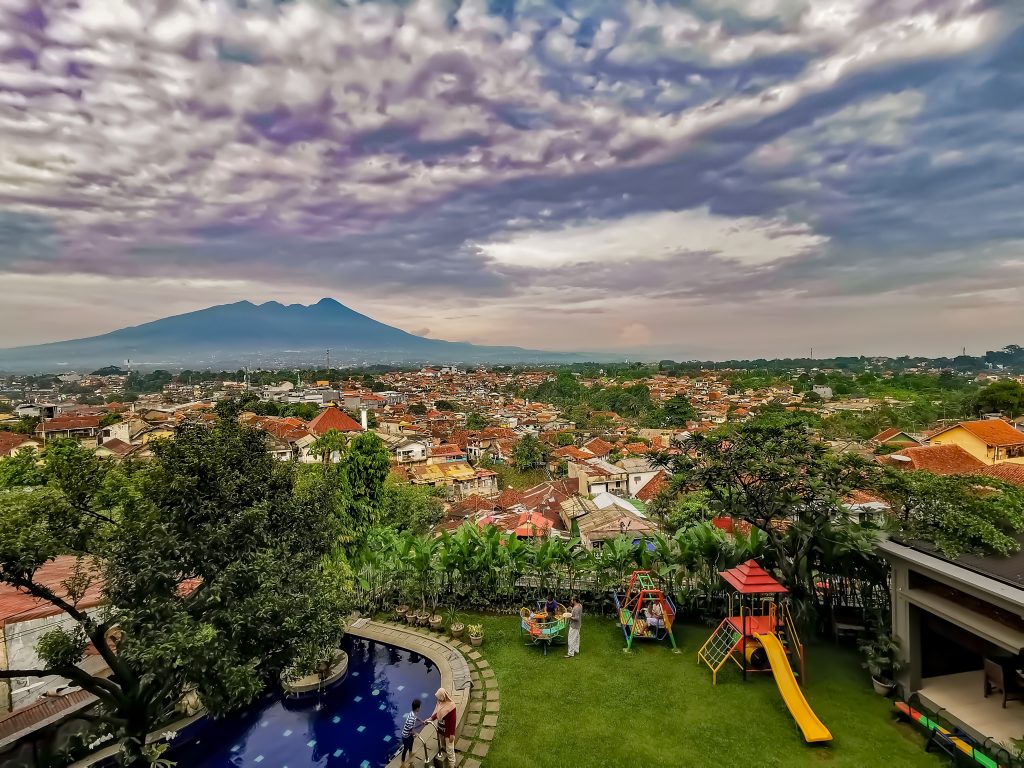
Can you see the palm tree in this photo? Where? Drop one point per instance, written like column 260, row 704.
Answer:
column 329, row 445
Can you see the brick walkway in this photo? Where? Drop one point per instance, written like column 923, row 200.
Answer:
column 478, row 705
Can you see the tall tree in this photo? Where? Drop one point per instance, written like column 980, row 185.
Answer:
column 778, row 479
column 214, row 578
column 529, row 453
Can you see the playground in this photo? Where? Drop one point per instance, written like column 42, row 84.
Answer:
column 610, row 709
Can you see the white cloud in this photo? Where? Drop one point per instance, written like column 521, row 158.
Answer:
column 668, row 235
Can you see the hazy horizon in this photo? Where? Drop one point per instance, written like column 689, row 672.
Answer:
column 709, row 179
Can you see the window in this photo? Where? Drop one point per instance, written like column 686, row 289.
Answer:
column 636, row 478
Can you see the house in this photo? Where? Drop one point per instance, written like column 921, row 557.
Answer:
column 988, row 440
column 940, row 459
column 333, row 418
column 895, row 436
column 602, row 518
column 444, row 453
column 457, row 478
column 639, row 472
column 597, row 475
column 12, row 442
column 24, row 619
column 409, row 451
column 650, row 490
column 82, row 427
column 599, row 447
column 958, row 621
column 825, row 393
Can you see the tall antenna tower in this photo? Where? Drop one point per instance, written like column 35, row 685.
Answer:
column 328, row 362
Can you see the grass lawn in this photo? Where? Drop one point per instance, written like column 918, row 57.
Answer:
column 608, row 709
column 510, row 477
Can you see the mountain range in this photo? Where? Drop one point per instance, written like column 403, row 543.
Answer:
column 269, row 335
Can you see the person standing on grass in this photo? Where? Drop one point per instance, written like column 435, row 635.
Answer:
column 409, row 731
column 444, row 714
column 575, row 621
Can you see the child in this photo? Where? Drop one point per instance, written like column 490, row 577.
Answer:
column 408, row 730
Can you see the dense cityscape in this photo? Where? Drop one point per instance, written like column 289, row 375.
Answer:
column 511, row 383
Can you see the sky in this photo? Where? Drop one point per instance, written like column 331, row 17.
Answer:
column 701, row 179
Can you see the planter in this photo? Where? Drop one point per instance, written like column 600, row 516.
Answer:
column 883, row 687
column 437, row 623
column 410, row 617
column 457, row 629
column 400, row 611
column 476, row 640
column 423, row 619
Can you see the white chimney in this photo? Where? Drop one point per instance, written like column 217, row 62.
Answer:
column 362, row 418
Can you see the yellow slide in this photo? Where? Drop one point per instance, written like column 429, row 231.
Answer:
column 812, row 727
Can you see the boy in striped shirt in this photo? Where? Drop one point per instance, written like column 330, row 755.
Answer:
column 409, row 730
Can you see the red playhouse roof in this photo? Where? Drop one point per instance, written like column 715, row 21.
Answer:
column 750, row 578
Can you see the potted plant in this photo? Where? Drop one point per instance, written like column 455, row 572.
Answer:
column 476, row 634
column 423, row 617
column 437, row 622
column 881, row 660
column 401, row 611
column 455, row 625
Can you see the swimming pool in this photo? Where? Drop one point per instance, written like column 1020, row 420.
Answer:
column 358, row 723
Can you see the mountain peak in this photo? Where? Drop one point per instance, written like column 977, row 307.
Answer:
column 328, row 302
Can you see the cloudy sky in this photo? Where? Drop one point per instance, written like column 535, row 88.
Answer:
column 692, row 179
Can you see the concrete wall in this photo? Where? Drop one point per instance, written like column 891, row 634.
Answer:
column 20, row 648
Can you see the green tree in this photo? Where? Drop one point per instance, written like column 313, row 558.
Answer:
column 476, row 420
column 405, row 507
column 565, row 439
column 418, row 409
column 366, row 466
column 957, row 513
column 214, row 578
column 445, row 405
column 778, row 479
column 330, row 446
column 528, row 454
column 1001, row 397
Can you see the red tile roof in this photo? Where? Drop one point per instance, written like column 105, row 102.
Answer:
column 63, row 423
column 598, row 447
column 940, row 459
column 45, row 710
column 653, row 487
column 333, row 418
column 17, row 605
column 749, row 578
column 12, row 441
column 995, row 432
column 572, row 452
column 1011, row 473
column 889, row 434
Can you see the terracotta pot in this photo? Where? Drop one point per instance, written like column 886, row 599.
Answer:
column 437, row 623
column 476, row 640
column 410, row 617
column 457, row 629
column 401, row 610
column 423, row 619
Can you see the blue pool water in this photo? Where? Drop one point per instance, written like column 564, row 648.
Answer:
column 357, row 726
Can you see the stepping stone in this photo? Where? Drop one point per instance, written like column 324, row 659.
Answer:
column 492, row 706
column 475, row 655
column 490, row 720
column 486, row 734
column 492, row 695
column 463, row 745
column 469, row 762
column 488, row 674
column 480, row 749
column 483, row 664
column 472, row 718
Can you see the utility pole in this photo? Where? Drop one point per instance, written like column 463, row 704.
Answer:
column 328, row 362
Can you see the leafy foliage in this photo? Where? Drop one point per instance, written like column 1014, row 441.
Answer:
column 957, row 513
